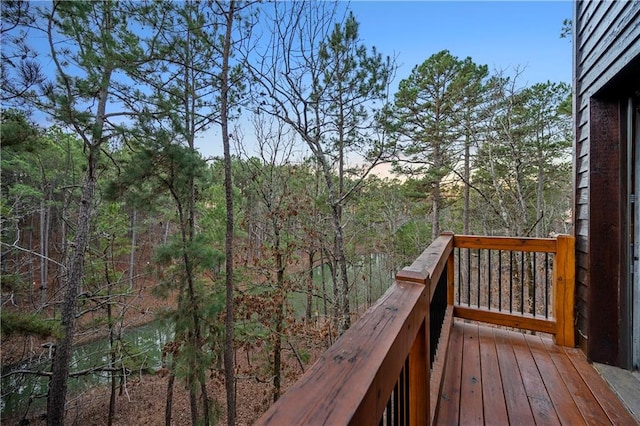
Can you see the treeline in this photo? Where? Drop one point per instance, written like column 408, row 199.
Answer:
column 112, row 194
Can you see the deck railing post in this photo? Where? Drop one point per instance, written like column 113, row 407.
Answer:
column 451, row 265
column 434, row 271
column 419, row 359
column 563, row 290
column 419, row 377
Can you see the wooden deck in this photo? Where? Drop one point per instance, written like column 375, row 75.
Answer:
column 506, row 377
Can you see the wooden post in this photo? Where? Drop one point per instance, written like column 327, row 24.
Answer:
column 451, row 267
column 419, row 369
column 564, row 277
column 450, row 271
column 419, row 372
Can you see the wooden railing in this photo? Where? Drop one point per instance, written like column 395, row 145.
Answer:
column 557, row 305
column 388, row 367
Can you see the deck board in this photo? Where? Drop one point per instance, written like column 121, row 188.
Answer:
column 448, row 412
column 542, row 408
column 495, row 376
column 601, row 391
column 582, row 396
column 471, row 385
column 518, row 407
column 562, row 400
column 495, row 408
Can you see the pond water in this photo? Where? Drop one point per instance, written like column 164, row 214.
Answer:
column 21, row 392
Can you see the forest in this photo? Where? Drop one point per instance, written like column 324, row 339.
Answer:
column 255, row 261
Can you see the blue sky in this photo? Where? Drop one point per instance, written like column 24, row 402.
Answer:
column 500, row 34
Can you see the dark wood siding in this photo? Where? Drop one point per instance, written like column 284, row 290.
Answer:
column 606, row 46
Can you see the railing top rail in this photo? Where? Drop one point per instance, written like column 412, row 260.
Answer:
column 430, row 263
column 542, row 245
column 350, row 381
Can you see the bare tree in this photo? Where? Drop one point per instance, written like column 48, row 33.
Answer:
column 316, row 76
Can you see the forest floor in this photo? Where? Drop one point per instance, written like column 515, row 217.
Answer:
column 143, row 399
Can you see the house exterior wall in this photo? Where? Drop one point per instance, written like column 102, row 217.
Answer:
column 606, row 55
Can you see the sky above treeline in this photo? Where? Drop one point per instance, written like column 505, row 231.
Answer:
column 501, row 34
column 504, row 35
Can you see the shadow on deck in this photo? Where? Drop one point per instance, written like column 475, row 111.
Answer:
column 494, row 376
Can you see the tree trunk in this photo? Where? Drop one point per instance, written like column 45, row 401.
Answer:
column 324, row 284
column 277, row 356
column 193, row 400
column 45, row 213
column 132, row 254
column 32, row 275
column 92, row 138
column 356, row 301
column 310, row 288
column 75, row 271
column 169, row 400
column 229, row 362
column 112, row 349
column 277, row 344
column 467, row 180
column 540, row 195
column 343, row 285
column 370, row 283
column 205, row 399
column 435, row 217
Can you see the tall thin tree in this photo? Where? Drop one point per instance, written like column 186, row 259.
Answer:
column 316, row 76
column 85, row 63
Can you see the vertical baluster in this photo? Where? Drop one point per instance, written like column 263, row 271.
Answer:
column 510, row 282
column 522, row 282
column 489, row 278
column 396, row 402
column 405, row 398
column 459, row 277
column 389, row 412
column 401, row 397
column 499, row 280
column 546, row 285
column 479, row 279
column 534, row 282
column 401, row 418
column 468, row 277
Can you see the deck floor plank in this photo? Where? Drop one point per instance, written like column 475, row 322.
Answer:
column 585, row 401
column 604, row 395
column 518, row 407
column 495, row 408
column 494, row 376
column 566, row 409
column 542, row 408
column 448, row 410
column 471, row 385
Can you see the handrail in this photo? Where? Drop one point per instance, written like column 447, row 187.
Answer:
column 354, row 381
column 549, row 245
